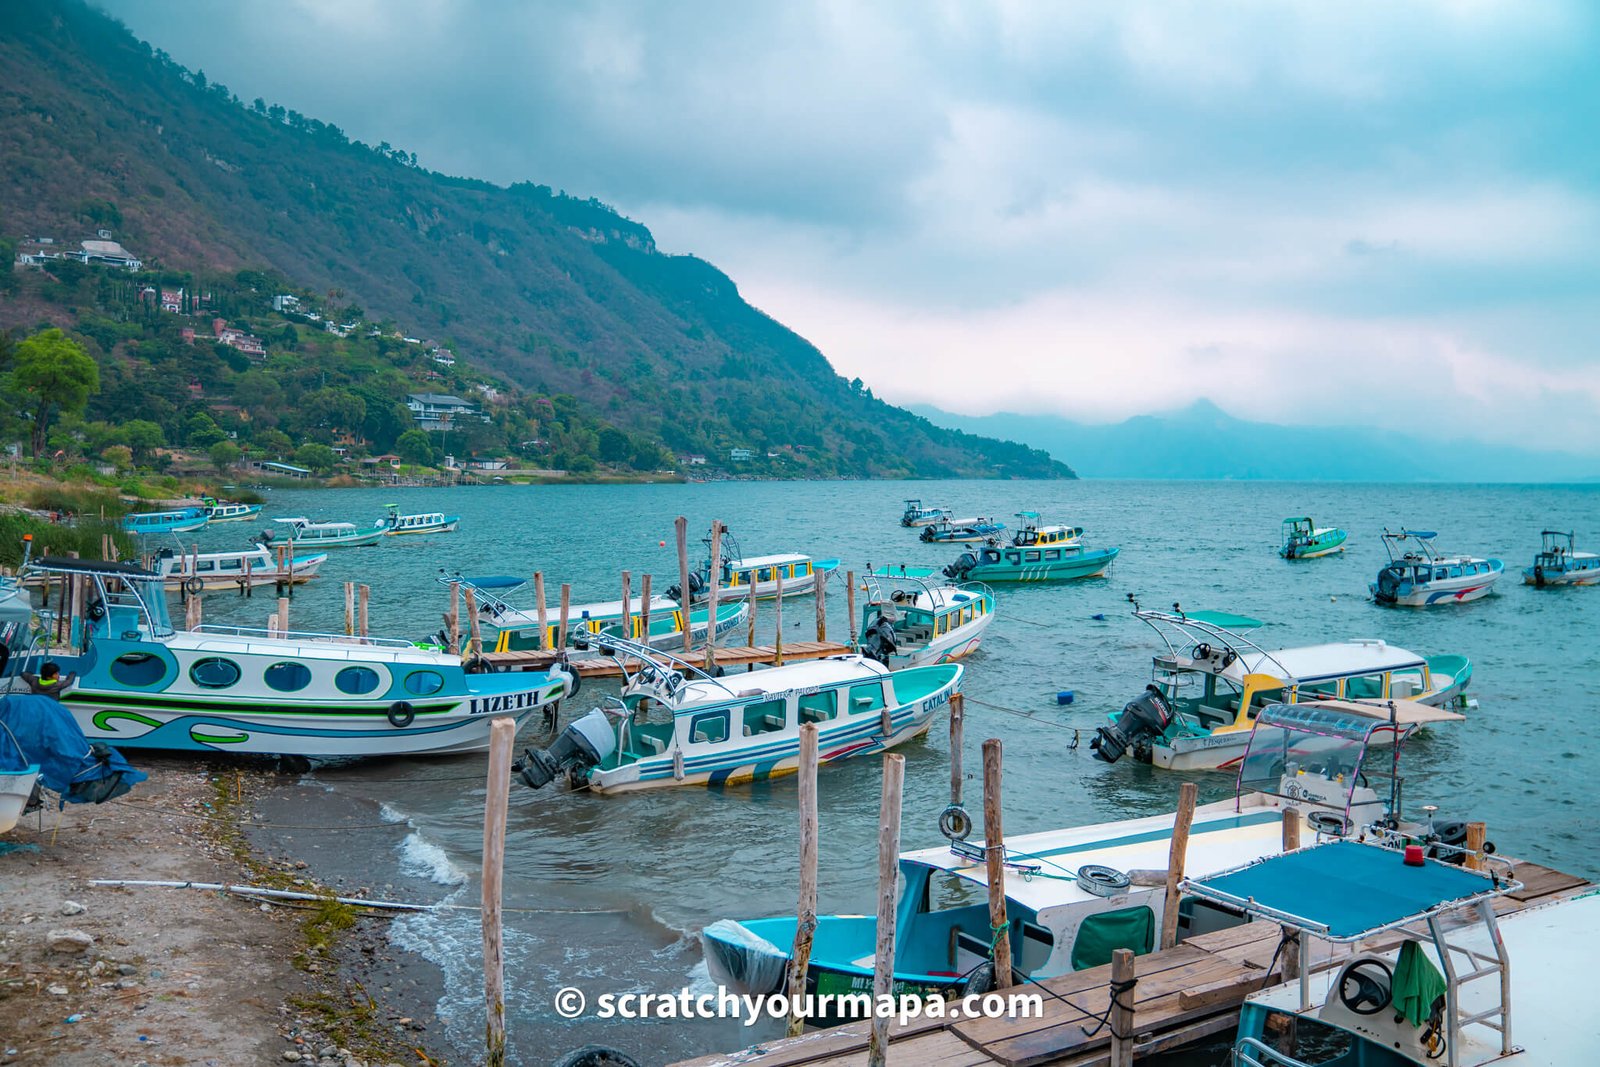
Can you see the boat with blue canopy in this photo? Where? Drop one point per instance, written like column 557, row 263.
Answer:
column 909, row 620
column 1560, row 563
column 916, row 514
column 962, row 531
column 1304, row 539
column 1419, row 576
column 178, row 520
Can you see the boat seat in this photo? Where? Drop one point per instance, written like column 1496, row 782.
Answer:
column 747, row 730
column 1210, row 717
column 774, row 722
column 647, row 741
column 812, row 715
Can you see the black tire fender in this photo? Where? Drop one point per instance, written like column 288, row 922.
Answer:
column 194, row 586
column 401, row 714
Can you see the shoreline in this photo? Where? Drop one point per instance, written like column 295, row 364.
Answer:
column 180, row 976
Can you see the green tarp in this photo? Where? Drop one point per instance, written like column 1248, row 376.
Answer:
column 1100, row 935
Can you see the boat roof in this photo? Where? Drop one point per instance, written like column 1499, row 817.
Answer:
column 494, row 581
column 1338, row 658
column 1405, row 712
column 66, row 565
column 940, row 597
column 1225, row 620
column 1222, row 835
column 332, row 647
column 1346, row 890
column 820, row 672
column 768, row 561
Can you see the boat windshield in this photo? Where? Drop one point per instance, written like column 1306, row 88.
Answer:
column 1313, row 752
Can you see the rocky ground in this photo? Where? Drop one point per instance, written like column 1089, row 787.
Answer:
column 94, row 976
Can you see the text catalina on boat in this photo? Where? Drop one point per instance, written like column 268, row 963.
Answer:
column 1560, row 563
column 917, row 515
column 962, row 531
column 1304, row 539
column 1070, row 901
column 142, row 684
column 304, row 532
column 1211, row 680
column 516, row 629
column 909, row 620
column 739, row 728
column 1418, row 577
column 426, row 523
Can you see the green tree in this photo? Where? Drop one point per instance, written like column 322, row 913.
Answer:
column 274, row 443
column 52, row 373
column 143, row 437
column 119, row 456
column 332, row 409
column 414, row 447
column 319, row 458
column 615, row 447
column 224, row 454
column 202, row 431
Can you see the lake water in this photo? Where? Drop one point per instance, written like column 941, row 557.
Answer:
column 616, row 888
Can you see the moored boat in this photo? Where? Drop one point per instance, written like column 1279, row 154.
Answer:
column 710, row 731
column 19, row 775
column 962, row 531
column 309, row 534
column 1417, row 576
column 1210, row 682
column 1560, row 563
column 916, row 514
column 1003, row 563
column 1304, row 539
column 430, row 522
column 178, row 520
column 228, row 511
column 245, row 568
column 1032, row 532
column 142, row 684
column 740, row 576
column 910, row 620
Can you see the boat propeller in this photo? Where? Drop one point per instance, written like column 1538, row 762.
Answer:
column 582, row 745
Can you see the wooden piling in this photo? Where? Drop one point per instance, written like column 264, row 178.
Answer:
column 627, row 604
column 248, row 589
column 475, row 640
column 544, row 612
column 1477, row 836
column 566, row 610
column 349, row 609
column 806, row 925
column 454, row 618
column 685, row 599
column 283, row 616
column 1291, row 829
column 191, row 614
column 850, row 605
column 502, row 736
column 1119, row 1020
column 894, row 769
column 751, row 603
column 644, row 609
column 994, row 853
column 777, row 607
column 715, row 577
column 958, row 711
column 1188, row 795
column 363, row 598
column 820, row 585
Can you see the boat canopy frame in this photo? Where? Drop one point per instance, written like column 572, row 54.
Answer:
column 1178, row 629
column 131, row 577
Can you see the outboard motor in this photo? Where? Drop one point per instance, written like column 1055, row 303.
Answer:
column 696, row 584
column 581, row 745
column 964, row 563
column 1142, row 721
column 879, row 642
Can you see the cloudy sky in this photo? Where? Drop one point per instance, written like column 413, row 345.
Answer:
column 1355, row 212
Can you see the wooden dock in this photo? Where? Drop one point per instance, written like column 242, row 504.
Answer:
column 1184, row 994
column 726, row 658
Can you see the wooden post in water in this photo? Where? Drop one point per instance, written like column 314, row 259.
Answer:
column 502, row 736
column 349, row 609
column 1188, row 794
column 644, row 609
column 819, row 583
column 475, row 641
column 289, row 555
column 1119, row 1019
column 685, row 599
column 248, row 588
column 454, row 618
column 777, row 608
column 191, row 614
column 751, row 603
column 806, row 925
column 627, row 605
column 958, row 712
column 566, row 610
column 363, row 596
column 850, row 605
column 1477, row 835
column 711, row 595
column 894, row 771
column 544, row 612
column 283, row 616
column 994, row 854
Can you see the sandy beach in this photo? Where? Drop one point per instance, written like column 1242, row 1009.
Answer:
column 94, row 975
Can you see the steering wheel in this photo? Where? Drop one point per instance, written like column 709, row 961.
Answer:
column 1366, row 986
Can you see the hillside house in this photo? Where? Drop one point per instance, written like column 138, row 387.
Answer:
column 741, row 455
column 101, row 251
column 439, row 411
column 692, row 461
column 253, row 347
column 285, row 302
column 443, row 357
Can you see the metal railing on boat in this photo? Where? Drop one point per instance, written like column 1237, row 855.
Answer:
column 222, row 630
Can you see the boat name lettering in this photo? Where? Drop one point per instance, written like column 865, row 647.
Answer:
column 528, row 698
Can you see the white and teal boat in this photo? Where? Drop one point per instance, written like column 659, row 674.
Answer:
column 141, row 684
column 178, row 520
column 918, row 515
column 430, row 522
column 1419, row 576
column 1211, row 681
column 516, row 629
column 740, row 577
column 1304, row 539
column 1070, row 898
column 909, row 620
column 962, row 531
column 1013, row 563
column 718, row 732
column 227, row 511
column 304, row 533
column 1560, row 563
column 246, row 568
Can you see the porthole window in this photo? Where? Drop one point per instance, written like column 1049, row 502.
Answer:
column 214, row 673
column 356, row 680
column 424, row 683
column 139, row 669
column 287, row 677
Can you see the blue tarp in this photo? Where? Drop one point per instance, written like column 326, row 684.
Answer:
column 495, row 581
column 69, row 765
column 1348, row 887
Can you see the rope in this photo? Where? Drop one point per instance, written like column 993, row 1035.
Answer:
column 1117, row 989
column 1019, row 713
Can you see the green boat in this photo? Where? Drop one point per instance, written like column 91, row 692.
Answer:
column 1014, row 563
column 1304, row 539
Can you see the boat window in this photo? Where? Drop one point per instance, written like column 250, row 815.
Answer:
column 802, row 569
column 948, row 891
column 819, row 707
column 866, row 698
column 765, row 575
column 1367, row 687
column 214, row 673
column 287, row 677
column 356, row 680
column 1442, row 572
column 138, row 669
column 1100, row 935
column 1053, row 554
column 1013, row 557
column 1031, row 556
column 1423, row 574
column 710, row 728
column 424, row 683
column 766, row 717
column 1455, row 572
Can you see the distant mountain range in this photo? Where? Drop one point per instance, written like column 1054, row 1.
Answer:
column 1202, row 441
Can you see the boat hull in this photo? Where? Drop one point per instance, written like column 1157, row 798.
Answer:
column 1548, row 579
column 957, row 644
column 1091, row 563
column 15, row 789
column 767, row 590
column 360, row 540
column 303, row 571
column 1314, row 549
column 1445, row 591
column 242, row 516
column 439, row 527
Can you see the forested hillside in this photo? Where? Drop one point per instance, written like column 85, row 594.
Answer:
column 561, row 296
